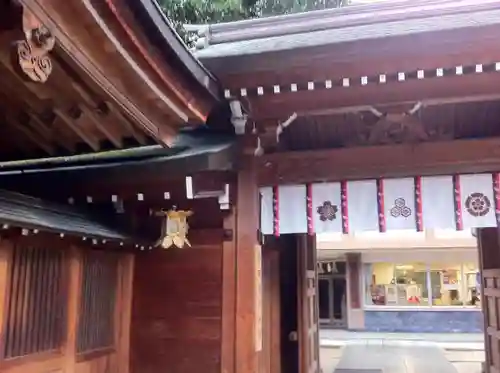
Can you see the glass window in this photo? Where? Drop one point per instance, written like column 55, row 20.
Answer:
column 411, row 284
column 446, row 282
column 422, row 284
column 472, row 285
column 378, row 280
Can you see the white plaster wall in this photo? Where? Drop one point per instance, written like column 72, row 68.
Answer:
column 396, row 240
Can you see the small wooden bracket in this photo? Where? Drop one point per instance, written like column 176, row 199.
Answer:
column 31, row 55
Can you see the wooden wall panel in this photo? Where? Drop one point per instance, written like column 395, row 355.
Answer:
column 177, row 306
column 65, row 359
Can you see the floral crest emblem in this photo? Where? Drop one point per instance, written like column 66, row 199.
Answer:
column 327, row 211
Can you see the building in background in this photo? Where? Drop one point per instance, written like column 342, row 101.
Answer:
column 410, row 282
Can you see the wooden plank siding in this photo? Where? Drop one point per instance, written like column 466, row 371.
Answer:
column 44, row 306
column 177, row 307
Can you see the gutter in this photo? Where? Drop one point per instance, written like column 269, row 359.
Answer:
column 59, row 167
column 188, row 141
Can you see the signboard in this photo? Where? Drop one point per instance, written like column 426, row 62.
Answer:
column 450, row 279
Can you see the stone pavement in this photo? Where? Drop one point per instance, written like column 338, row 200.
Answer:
column 408, row 353
column 447, row 341
column 393, row 359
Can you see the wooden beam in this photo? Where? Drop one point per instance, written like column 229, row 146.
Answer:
column 467, row 87
column 101, row 189
column 460, row 156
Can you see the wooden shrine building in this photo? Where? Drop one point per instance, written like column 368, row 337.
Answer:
column 102, row 90
column 334, row 121
column 368, row 118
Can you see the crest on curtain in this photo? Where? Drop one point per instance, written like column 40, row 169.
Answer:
column 174, row 228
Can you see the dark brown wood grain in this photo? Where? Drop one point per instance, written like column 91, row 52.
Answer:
column 36, row 309
column 229, row 296
column 98, row 298
column 247, row 220
column 380, row 161
column 489, row 258
column 177, row 307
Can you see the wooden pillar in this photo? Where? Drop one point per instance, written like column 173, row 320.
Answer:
column 228, row 336
column 353, row 271
column 489, row 260
column 248, row 338
column 271, row 352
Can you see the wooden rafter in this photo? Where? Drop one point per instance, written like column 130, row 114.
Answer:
column 25, row 129
column 135, row 102
column 71, row 121
column 104, row 121
column 65, row 98
column 44, row 128
column 63, row 84
column 136, row 134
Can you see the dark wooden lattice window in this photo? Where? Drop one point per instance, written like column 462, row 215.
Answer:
column 97, row 303
column 36, row 302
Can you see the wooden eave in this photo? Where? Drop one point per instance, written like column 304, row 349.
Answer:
column 155, row 170
column 172, row 47
column 110, row 46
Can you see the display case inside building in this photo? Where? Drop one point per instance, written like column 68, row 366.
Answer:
column 422, row 285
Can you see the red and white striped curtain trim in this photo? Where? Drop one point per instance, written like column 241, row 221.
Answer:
column 422, row 202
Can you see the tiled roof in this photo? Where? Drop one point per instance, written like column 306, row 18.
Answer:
column 29, row 212
column 342, row 26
